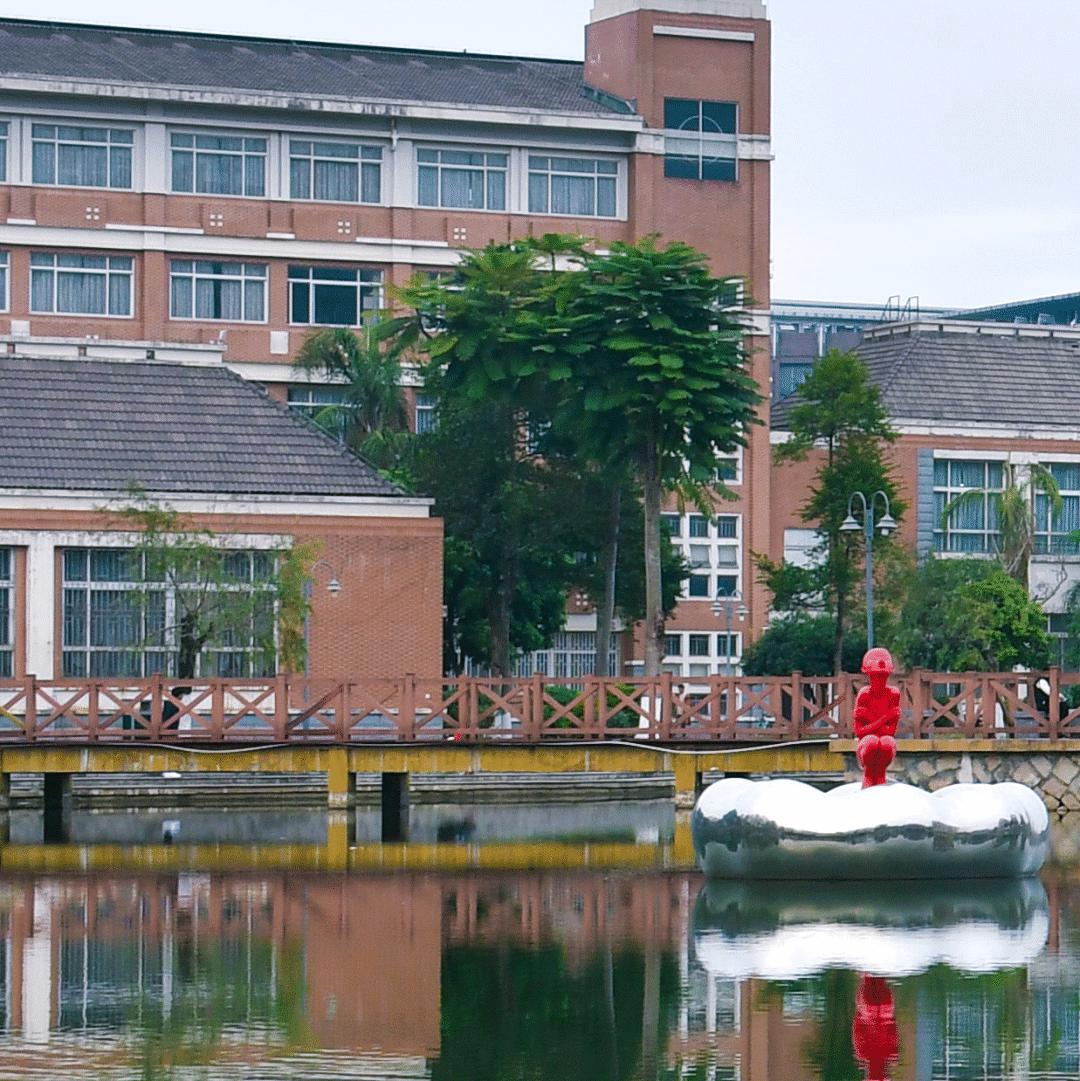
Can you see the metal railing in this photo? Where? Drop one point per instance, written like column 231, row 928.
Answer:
column 538, row 709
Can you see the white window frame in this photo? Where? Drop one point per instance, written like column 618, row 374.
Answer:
column 310, row 408
column 243, row 278
column 714, row 543
column 442, row 148
column 1045, row 538
column 950, row 491
column 675, row 137
column 195, row 150
column 7, row 132
column 360, row 146
column 425, row 407
column 57, row 122
column 7, row 613
column 312, row 280
column 718, row 662
column 169, row 648
column 5, row 273
column 572, row 654
column 551, row 172
column 107, row 271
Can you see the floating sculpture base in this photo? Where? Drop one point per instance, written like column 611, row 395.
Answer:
column 785, row 829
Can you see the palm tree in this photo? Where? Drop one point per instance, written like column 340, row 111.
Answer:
column 1013, row 506
column 370, row 377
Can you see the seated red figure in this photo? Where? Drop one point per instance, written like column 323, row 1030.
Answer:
column 877, row 713
column 874, row 1035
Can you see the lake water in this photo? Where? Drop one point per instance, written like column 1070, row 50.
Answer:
column 593, row 954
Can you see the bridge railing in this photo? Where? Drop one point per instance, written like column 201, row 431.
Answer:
column 537, row 709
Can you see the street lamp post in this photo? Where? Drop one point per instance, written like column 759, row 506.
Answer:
column 885, row 526
column 730, row 606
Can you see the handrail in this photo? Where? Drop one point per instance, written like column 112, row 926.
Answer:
column 536, row 709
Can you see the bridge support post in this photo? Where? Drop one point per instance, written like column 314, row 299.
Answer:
column 395, row 807
column 56, row 789
column 340, row 780
column 688, row 781
column 5, row 793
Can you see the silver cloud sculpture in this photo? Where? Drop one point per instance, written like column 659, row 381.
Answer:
column 784, row 829
column 782, row 931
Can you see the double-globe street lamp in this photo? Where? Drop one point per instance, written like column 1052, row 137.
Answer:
column 885, row 526
column 731, row 605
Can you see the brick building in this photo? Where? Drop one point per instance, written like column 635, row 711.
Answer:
column 186, row 191
column 81, row 423
column 968, row 399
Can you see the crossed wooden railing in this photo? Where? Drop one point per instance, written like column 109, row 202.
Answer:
column 538, row 709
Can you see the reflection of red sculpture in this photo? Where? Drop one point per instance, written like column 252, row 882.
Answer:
column 877, row 713
column 873, row 1032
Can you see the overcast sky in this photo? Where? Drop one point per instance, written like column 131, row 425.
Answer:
column 927, row 148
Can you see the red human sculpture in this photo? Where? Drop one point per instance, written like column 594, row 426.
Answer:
column 877, row 713
column 874, row 1036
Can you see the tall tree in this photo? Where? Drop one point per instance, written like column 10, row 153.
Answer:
column 659, row 378
column 840, row 411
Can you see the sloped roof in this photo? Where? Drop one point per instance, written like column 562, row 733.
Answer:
column 306, row 69
column 94, row 425
column 994, row 378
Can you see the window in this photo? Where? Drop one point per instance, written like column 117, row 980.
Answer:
column 972, row 525
column 80, row 284
column 700, row 139
column 727, row 469
column 572, row 654
column 218, row 164
column 672, row 645
column 425, row 413
column 674, row 524
column 699, row 525
column 792, row 376
column 727, row 645
column 335, row 172
column 699, row 645
column 230, row 292
column 699, row 585
column 727, row 585
column 322, row 405
column 4, row 293
column 333, row 296
column 727, row 526
column 579, row 187
column 81, row 157
column 116, row 623
column 7, row 613
column 466, row 179
column 1053, row 530
column 3, row 151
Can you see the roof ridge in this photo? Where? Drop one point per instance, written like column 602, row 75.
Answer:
column 898, row 363
column 300, row 43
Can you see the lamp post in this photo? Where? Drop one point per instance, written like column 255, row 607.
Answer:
column 730, row 606
column 885, row 526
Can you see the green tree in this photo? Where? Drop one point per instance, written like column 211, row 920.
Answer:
column 966, row 615
column 840, row 411
column 657, row 378
column 220, row 596
column 372, row 416
column 804, row 643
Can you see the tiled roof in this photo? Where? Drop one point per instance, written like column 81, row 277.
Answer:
column 94, row 425
column 306, row 69
column 991, row 378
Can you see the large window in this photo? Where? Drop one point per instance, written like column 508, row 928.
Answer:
column 115, row 623
column 322, row 405
column 5, row 295
column 581, row 187
column 700, row 139
column 3, row 151
column 7, row 613
column 80, row 284
column 81, row 157
column 971, row 490
column 229, row 292
column 425, row 413
column 334, row 172
column 470, row 180
column 572, row 654
column 333, row 296
column 218, row 164
column 1054, row 530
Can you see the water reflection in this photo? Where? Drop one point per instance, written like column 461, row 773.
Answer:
column 528, row 976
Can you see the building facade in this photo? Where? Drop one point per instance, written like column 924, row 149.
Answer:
column 234, row 193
